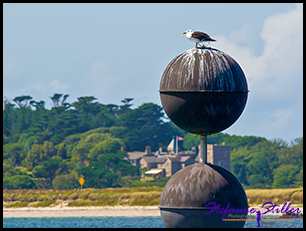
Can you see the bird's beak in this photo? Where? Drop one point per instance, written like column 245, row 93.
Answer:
column 184, row 32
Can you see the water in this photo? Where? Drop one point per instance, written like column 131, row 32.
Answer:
column 123, row 222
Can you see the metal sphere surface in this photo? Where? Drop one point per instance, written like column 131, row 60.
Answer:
column 203, row 91
column 188, row 191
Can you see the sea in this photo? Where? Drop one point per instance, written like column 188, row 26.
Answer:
column 125, row 222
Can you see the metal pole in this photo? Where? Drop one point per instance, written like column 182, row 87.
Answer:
column 203, row 151
column 176, row 145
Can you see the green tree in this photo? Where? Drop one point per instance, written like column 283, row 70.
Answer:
column 299, row 179
column 13, row 153
column 56, row 99
column 145, row 127
column 126, row 106
column 18, row 182
column 115, row 163
column 8, row 171
column 239, row 160
column 61, row 150
column 259, row 181
column 81, row 155
column 65, row 181
column 8, row 118
column 241, row 141
column 191, row 140
column 285, row 175
column 264, row 161
column 37, row 105
column 50, row 168
column 292, row 154
column 40, row 153
column 96, row 177
column 107, row 171
column 22, row 101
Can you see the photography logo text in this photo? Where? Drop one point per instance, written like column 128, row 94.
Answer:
column 231, row 214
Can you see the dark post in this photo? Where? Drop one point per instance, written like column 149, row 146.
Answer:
column 203, row 151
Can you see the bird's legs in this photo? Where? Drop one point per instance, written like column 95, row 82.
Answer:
column 203, row 45
column 196, row 47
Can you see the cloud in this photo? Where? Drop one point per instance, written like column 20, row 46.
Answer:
column 43, row 88
column 98, row 81
column 101, row 81
column 274, row 76
column 97, row 69
column 56, row 86
column 12, row 67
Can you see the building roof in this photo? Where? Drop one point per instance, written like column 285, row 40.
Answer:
column 162, row 159
column 135, row 155
column 154, row 171
column 154, row 159
column 187, row 153
column 179, row 158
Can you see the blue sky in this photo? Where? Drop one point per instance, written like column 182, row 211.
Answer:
column 117, row 51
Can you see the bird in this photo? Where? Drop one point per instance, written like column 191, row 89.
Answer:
column 198, row 37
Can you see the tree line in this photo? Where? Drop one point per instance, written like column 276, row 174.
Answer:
column 51, row 148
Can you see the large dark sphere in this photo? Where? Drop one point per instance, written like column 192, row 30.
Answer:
column 203, row 91
column 183, row 200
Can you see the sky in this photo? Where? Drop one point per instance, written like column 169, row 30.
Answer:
column 116, row 51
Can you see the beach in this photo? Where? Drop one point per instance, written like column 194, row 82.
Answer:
column 102, row 211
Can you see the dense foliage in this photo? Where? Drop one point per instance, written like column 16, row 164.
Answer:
column 52, row 148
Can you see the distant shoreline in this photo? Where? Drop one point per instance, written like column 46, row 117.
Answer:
column 91, row 211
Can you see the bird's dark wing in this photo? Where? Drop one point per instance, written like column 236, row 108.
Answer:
column 202, row 36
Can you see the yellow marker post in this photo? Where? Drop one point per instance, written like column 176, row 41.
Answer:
column 81, row 181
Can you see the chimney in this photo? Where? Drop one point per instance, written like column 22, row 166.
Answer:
column 148, row 151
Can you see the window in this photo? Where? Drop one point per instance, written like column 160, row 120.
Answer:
column 224, row 153
column 221, row 163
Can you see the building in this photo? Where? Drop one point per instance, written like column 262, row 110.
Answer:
column 161, row 164
column 218, row 155
column 175, row 163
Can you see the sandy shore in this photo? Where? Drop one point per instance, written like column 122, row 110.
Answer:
column 103, row 211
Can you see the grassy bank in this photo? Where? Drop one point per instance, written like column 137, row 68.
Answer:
column 279, row 196
column 86, row 197
column 143, row 196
